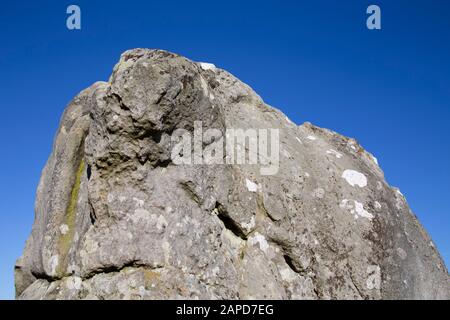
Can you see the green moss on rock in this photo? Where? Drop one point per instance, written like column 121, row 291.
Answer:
column 65, row 240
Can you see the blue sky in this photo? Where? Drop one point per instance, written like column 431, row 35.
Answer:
column 315, row 60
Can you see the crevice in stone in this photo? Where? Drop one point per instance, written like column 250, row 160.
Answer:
column 44, row 276
column 361, row 294
column 163, row 163
column 313, row 278
column 302, row 272
column 120, row 101
column 291, row 264
column 114, row 269
column 153, row 134
column 262, row 208
column 89, row 171
column 316, row 292
column 228, row 222
column 92, row 215
column 189, row 188
column 161, row 97
column 102, row 270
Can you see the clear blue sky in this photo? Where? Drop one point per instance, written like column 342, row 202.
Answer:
column 315, row 60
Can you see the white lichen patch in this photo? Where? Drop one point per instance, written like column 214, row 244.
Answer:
column 356, row 208
column 298, row 139
column 374, row 279
column 351, row 144
column 258, row 238
column 251, row 186
column 142, row 291
column 397, row 190
column 375, row 160
column 166, row 250
column 250, row 225
column 74, row 283
column 54, row 261
column 377, row 206
column 334, row 153
column 312, row 138
column 168, row 210
column 64, row 228
column 355, row 178
column 207, row 66
column 318, row 193
column 287, row 274
column 161, row 223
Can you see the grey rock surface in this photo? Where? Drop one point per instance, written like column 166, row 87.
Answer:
column 117, row 219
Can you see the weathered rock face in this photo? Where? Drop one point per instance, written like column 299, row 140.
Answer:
column 116, row 218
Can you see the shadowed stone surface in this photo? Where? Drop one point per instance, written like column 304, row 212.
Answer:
column 116, row 219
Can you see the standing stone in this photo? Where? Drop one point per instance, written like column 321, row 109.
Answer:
column 116, row 218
